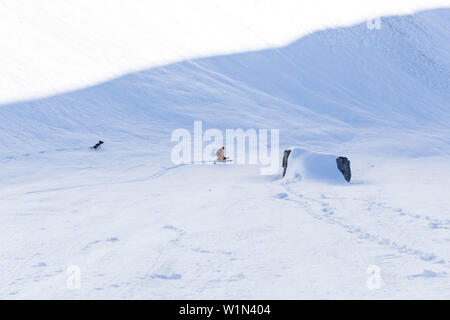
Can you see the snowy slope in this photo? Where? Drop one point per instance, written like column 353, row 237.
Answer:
column 51, row 47
column 136, row 232
column 346, row 89
column 140, row 227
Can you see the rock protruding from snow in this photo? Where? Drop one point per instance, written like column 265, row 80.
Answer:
column 304, row 164
column 285, row 160
column 343, row 165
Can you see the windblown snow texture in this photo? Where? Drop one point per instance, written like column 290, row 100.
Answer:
column 341, row 90
column 138, row 226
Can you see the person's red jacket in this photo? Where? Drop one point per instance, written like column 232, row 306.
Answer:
column 220, row 154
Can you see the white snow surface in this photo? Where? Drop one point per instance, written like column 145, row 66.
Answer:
column 50, row 47
column 141, row 227
column 304, row 164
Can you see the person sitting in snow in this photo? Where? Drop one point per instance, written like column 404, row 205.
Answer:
column 221, row 154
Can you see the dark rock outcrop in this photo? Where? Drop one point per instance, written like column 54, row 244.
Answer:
column 285, row 160
column 343, row 165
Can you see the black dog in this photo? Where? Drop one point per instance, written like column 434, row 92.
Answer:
column 97, row 145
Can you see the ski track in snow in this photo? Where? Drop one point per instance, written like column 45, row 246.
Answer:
column 154, row 176
column 324, row 211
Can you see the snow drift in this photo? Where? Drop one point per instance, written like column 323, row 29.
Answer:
column 304, row 164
